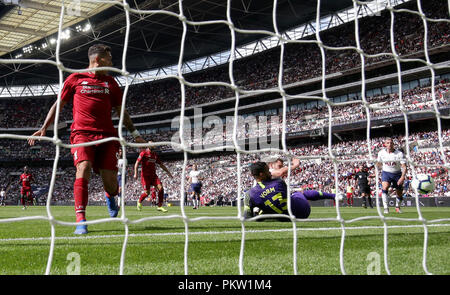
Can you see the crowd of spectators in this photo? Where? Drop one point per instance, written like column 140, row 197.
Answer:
column 301, row 61
column 317, row 170
column 22, row 113
column 381, row 106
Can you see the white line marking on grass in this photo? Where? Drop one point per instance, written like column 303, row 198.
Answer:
column 214, row 232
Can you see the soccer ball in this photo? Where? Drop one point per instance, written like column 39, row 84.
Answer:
column 423, row 183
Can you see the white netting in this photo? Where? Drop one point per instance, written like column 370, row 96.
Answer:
column 186, row 148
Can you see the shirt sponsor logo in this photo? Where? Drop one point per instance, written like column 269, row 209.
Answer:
column 94, row 89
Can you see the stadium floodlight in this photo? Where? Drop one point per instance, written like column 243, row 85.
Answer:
column 65, row 34
column 52, row 41
column 27, row 49
column 87, row 27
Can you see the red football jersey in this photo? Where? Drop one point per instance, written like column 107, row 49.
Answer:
column 148, row 160
column 93, row 97
column 26, row 178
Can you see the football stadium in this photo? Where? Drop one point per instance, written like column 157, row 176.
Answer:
column 214, row 137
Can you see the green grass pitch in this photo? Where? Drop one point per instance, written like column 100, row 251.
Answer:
column 156, row 247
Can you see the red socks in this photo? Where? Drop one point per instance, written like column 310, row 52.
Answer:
column 143, row 196
column 80, row 192
column 160, row 197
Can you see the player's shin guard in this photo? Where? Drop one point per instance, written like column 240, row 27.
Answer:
column 80, row 191
column 384, row 196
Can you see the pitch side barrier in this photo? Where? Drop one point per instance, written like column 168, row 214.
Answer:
column 357, row 203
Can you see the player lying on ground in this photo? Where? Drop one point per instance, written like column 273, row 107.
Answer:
column 269, row 195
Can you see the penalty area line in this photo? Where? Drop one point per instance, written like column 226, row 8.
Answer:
column 215, row 232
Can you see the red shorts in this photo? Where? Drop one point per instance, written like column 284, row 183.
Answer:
column 25, row 190
column 349, row 195
column 149, row 181
column 102, row 156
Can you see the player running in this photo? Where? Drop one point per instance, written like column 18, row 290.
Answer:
column 270, row 195
column 148, row 160
column 393, row 173
column 94, row 94
column 25, row 192
column 196, row 185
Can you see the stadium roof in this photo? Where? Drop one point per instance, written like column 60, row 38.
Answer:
column 154, row 39
column 31, row 21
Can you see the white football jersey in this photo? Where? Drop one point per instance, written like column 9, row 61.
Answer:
column 391, row 161
column 194, row 176
column 120, row 164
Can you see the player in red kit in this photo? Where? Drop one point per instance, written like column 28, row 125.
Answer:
column 94, row 94
column 25, row 192
column 148, row 160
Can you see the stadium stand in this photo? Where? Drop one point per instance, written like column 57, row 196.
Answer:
column 302, row 61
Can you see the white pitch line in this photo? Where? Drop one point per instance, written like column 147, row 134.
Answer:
column 214, row 232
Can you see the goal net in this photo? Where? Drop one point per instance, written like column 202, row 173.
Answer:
column 312, row 52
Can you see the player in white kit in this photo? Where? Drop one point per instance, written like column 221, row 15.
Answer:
column 120, row 163
column 196, row 185
column 2, row 197
column 113, row 205
column 393, row 173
